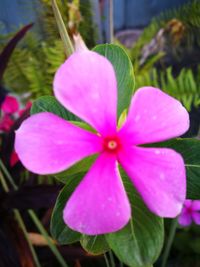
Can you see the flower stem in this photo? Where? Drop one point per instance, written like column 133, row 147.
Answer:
column 34, row 218
column 7, row 174
column 111, row 26
column 106, row 260
column 111, row 258
column 62, row 30
column 172, row 232
column 23, row 227
column 46, row 236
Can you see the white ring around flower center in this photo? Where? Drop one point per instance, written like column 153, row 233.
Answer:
column 112, row 144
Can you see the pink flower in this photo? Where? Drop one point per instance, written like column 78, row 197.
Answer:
column 13, row 158
column 45, row 143
column 10, row 105
column 6, row 123
column 190, row 213
column 27, row 106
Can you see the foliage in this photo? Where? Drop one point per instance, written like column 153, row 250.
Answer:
column 184, row 87
column 164, row 70
column 188, row 14
column 33, row 64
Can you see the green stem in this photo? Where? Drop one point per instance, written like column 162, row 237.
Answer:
column 46, row 236
column 7, row 174
column 35, row 219
column 62, row 30
column 111, row 258
column 106, row 260
column 172, row 232
column 23, row 227
column 111, row 27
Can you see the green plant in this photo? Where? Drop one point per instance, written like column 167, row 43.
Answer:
column 33, row 64
column 184, row 87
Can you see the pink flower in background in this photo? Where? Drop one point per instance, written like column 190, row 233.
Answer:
column 13, row 158
column 27, row 106
column 10, row 105
column 11, row 112
column 6, row 123
column 190, row 213
column 45, row 143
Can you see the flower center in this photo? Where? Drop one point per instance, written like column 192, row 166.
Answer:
column 111, row 144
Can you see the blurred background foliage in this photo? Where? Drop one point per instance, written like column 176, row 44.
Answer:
column 166, row 54
column 36, row 59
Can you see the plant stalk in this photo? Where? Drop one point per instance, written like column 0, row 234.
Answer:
column 68, row 47
column 111, row 24
column 170, row 240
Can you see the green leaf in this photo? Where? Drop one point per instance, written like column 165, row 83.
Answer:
column 94, row 244
column 189, row 148
column 124, row 72
column 50, row 104
column 140, row 242
column 59, row 230
column 78, row 169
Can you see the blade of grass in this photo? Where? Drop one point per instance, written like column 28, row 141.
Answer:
column 169, row 243
column 62, row 30
column 36, row 221
column 8, row 176
column 21, row 224
column 106, row 260
column 45, row 234
column 23, row 227
column 111, row 258
column 111, row 27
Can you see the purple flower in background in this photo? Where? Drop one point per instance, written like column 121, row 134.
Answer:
column 86, row 85
column 190, row 213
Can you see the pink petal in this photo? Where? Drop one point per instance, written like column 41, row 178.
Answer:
column 99, row 204
column 6, row 123
column 10, row 105
column 159, row 176
column 196, row 205
column 13, row 158
column 46, row 143
column 86, row 85
column 185, row 218
column 196, row 217
column 154, row 116
column 188, row 203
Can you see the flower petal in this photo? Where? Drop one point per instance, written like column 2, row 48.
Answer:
column 196, row 217
column 188, row 203
column 6, row 123
column 159, row 176
column 46, row 143
column 10, row 105
column 196, row 205
column 154, row 116
column 99, row 204
column 185, row 218
column 86, row 85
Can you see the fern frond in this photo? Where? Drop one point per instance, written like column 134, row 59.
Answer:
column 185, row 87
